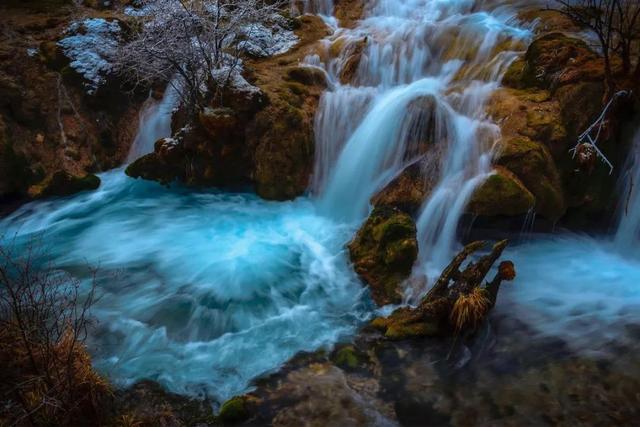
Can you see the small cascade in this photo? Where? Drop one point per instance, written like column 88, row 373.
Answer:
column 445, row 58
column 154, row 123
column 627, row 237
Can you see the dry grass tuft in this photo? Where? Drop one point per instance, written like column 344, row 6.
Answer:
column 470, row 309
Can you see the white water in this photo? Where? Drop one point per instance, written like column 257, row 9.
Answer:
column 211, row 290
column 200, row 291
column 628, row 235
column 154, row 123
column 426, row 72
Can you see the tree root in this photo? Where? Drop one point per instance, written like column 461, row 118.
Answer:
column 457, row 303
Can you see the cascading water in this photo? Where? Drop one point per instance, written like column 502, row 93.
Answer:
column 628, row 235
column 154, row 124
column 444, row 58
column 204, row 291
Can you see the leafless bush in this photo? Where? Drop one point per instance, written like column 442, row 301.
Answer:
column 188, row 42
column 46, row 376
column 616, row 24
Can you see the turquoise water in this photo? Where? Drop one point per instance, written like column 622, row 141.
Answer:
column 201, row 291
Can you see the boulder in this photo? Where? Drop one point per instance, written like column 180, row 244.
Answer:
column 384, row 251
column 532, row 163
column 307, row 75
column 502, row 193
column 164, row 165
column 408, row 190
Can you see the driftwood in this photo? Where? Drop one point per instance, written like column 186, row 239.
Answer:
column 458, row 301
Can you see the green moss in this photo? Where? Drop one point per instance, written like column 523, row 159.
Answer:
column 234, row 410
column 532, row 163
column 347, row 357
column 383, row 252
column 502, row 193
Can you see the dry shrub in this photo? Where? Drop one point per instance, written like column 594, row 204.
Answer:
column 470, row 309
column 46, row 376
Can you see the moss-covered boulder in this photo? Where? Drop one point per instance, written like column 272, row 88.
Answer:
column 384, row 251
column 554, row 60
column 532, row 163
column 502, row 193
column 234, row 411
column 62, row 183
column 307, row 75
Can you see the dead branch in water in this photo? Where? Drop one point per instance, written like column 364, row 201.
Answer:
column 458, row 302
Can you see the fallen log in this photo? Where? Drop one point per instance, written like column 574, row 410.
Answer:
column 457, row 303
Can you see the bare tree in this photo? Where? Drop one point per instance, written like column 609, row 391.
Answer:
column 616, row 24
column 46, row 377
column 192, row 43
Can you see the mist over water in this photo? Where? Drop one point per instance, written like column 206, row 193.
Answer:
column 204, row 291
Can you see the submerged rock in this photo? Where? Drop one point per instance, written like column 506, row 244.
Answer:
column 384, row 251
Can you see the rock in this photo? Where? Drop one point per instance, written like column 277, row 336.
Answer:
column 164, row 165
column 384, row 251
column 62, row 183
column 502, row 193
column 218, row 123
column 554, row 60
column 533, row 165
column 234, row 411
column 408, row 190
column 308, row 75
column 352, row 56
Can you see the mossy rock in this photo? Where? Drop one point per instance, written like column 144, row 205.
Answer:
column 398, row 326
column 63, row 183
column 307, row 75
column 502, row 193
column 532, row 163
column 234, row 411
column 152, row 167
column 384, row 251
column 347, row 357
column 554, row 60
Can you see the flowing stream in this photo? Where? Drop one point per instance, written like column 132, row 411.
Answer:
column 204, row 291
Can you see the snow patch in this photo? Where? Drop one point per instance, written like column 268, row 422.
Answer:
column 262, row 41
column 91, row 45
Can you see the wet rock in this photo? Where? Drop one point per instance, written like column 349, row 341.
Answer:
column 383, row 252
column 234, row 410
column 502, row 193
column 554, row 60
column 63, row 183
column 533, row 165
column 408, row 190
column 352, row 56
column 164, row 165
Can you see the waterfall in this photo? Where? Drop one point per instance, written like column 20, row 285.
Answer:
column 154, row 123
column 627, row 237
column 446, row 58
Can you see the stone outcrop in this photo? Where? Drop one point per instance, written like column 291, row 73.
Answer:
column 383, row 253
column 259, row 132
column 50, row 124
column 551, row 95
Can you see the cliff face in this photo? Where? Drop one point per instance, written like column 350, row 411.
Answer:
column 50, row 119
